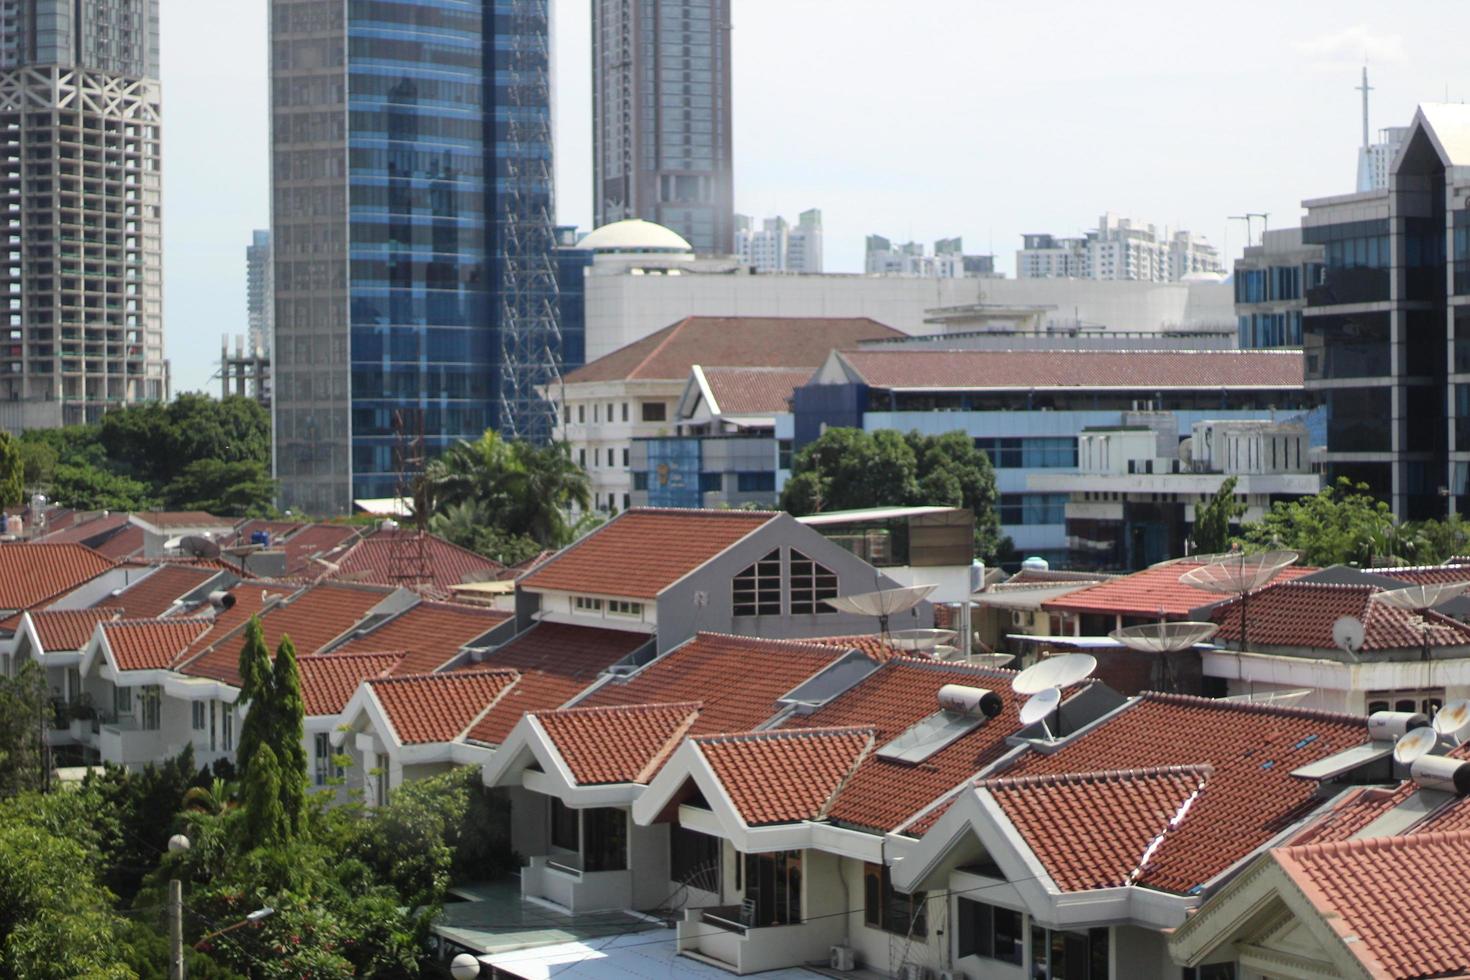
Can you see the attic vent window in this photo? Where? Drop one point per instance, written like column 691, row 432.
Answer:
column 757, row 590
column 810, row 584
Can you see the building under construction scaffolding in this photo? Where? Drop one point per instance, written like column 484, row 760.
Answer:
column 246, row 372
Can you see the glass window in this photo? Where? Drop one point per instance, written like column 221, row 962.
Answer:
column 654, row 411
column 200, row 710
column 773, row 888
column 227, row 727
column 755, row 482
column 989, row 931
column 694, row 859
column 757, row 589
column 605, row 844
column 1210, row 971
column 584, row 603
column 322, row 755
column 810, row 584
column 891, row 910
column 565, row 826
column 711, row 482
column 617, row 607
column 152, row 708
column 122, row 700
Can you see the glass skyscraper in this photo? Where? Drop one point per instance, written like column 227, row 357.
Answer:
column 390, row 252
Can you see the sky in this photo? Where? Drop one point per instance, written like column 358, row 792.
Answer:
column 919, row 120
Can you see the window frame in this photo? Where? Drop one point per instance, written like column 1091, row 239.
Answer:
column 811, row 583
column 756, row 589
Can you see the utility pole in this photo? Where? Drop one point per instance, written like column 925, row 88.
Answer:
column 175, row 929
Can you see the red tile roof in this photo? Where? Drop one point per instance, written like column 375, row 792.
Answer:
column 67, row 629
column 1152, row 592
column 754, row 390
column 1301, row 614
column 155, row 593
column 1398, row 903
column 1250, row 796
column 125, row 542
column 438, row 707
column 393, row 558
column 314, row 541
column 643, row 551
column 1353, row 813
column 169, row 519
column 785, row 776
column 32, row 573
column 151, row 644
column 734, row 341
column 617, row 744
column 111, row 534
column 737, row 679
column 328, row 683
column 556, row 662
column 955, row 369
column 1425, row 574
column 433, row 633
column 1094, row 830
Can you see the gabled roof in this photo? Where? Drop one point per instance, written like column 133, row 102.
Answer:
column 315, row 541
column 32, row 573
column 67, row 629
column 1251, row 796
column 151, row 644
column 643, row 551
column 1302, row 614
column 328, row 683
column 1425, row 574
column 1399, row 904
column 951, row 370
column 733, row 341
column 94, row 530
column 432, row 633
column 438, row 707
column 155, row 593
column 617, row 744
column 125, row 542
column 1154, row 591
column 752, row 390
column 393, row 558
column 167, row 520
column 1098, row 829
column 554, row 662
column 785, row 776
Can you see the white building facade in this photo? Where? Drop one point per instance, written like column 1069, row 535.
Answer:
column 778, row 246
column 1118, row 248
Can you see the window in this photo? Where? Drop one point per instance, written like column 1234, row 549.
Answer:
column 584, row 603
column 889, row 910
column 711, row 482
column 654, row 411
column 200, row 711
column 1427, row 701
column 227, row 728
column 565, row 826
column 755, row 482
column 625, row 411
column 990, row 931
column 627, row 501
column 582, row 458
column 640, row 481
column 810, row 584
column 757, row 590
column 625, row 457
column 122, row 700
column 609, row 411
column 152, row 705
column 694, row 859
column 1069, row 955
column 773, row 888
column 581, row 414
column 783, row 454
column 605, row 846
column 617, row 607
column 322, row 757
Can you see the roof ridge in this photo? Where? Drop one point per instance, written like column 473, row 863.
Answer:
column 1356, row 844
column 158, row 621
column 674, row 329
column 339, row 657
column 1259, row 707
column 365, row 538
column 1199, row 770
column 826, row 649
column 791, row 733
column 606, row 709
column 444, row 675
column 847, row 777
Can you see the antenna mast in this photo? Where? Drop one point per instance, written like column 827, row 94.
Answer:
column 408, row 559
column 1365, row 88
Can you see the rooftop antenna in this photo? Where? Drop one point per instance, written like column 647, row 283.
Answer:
column 1365, row 88
column 1163, row 639
column 1238, row 574
column 1419, row 599
column 1045, row 679
column 882, row 604
column 920, row 640
column 1038, row 707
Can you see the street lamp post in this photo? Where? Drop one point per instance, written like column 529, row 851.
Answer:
column 176, row 844
column 464, row 967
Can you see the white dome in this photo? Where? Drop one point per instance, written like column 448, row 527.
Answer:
column 634, row 235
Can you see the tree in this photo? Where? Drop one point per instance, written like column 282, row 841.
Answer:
column 24, row 713
column 38, row 462
column 86, row 487
column 243, row 488
column 156, row 442
column 1338, row 525
column 266, row 823
column 12, row 473
column 1439, row 541
column 288, row 732
column 256, row 681
column 1212, row 520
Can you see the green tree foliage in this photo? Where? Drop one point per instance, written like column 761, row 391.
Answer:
column 1340, row 524
column 158, row 441
column 24, row 714
column 38, row 462
column 243, row 488
column 266, row 824
column 271, row 751
column 256, row 679
column 1212, row 520
column 289, row 733
column 847, row 469
column 1439, row 541
column 12, row 472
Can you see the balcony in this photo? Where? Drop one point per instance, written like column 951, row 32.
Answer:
column 720, row 935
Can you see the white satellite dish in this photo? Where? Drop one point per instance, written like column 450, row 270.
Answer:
column 1347, row 633
column 1272, row 697
column 920, row 639
column 1238, row 573
column 1452, row 720
column 883, row 603
column 1418, row 742
column 1420, row 597
column 1055, row 672
column 991, row 659
column 1164, row 637
column 1040, row 705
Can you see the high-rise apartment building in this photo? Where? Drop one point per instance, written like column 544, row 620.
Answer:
column 260, row 293
column 80, row 171
column 411, row 141
column 778, row 247
column 661, row 121
column 1117, row 249
column 882, row 257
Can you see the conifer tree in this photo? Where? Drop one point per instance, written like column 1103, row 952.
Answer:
column 266, row 824
column 256, row 683
column 288, row 732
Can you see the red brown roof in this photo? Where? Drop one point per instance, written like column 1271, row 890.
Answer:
column 314, row 541
column 433, row 633
column 405, row 558
column 328, row 683
column 1302, row 614
column 1153, row 592
column 617, row 744
column 643, row 551
column 734, row 341
column 1426, row 574
column 438, row 707
column 167, row 519
column 32, row 573
column 1151, row 370
column 754, row 390
column 1399, row 904
column 1095, row 830
column 125, row 542
column 555, row 663
column 151, row 644
column 785, row 776
column 155, row 593
column 67, row 629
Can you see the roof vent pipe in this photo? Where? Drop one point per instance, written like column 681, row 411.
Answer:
column 1442, row 773
column 969, row 700
column 1386, row 726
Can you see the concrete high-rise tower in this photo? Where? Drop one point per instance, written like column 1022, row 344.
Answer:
column 393, row 230
column 80, row 170
column 260, row 292
column 661, row 133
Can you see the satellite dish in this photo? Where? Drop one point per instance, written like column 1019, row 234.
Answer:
column 1413, row 745
column 1452, row 720
column 1347, row 633
column 1238, row 573
column 883, row 603
column 1040, row 705
column 991, row 659
column 920, row 639
column 199, row 546
column 1164, row 637
column 1272, row 697
column 1420, row 597
column 1055, row 672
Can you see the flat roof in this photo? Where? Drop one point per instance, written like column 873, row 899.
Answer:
column 871, row 514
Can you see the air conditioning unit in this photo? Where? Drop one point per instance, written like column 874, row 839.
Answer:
column 843, row 959
column 913, row 971
column 1020, row 618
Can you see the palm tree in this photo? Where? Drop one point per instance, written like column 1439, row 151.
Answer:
column 213, row 799
column 516, row 487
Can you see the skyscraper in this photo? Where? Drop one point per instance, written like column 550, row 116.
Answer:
column 79, row 167
column 661, row 135
column 411, row 147
column 260, row 302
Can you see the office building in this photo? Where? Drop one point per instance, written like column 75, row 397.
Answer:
column 1271, row 288
column 948, row 261
column 397, row 273
column 1118, row 248
column 661, row 121
column 778, row 247
column 260, row 293
column 80, row 117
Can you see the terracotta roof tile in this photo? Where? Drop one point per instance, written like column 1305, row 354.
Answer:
column 1399, row 903
column 1426, row 574
column 624, row 744
column 328, row 683
column 155, row 593
column 314, row 541
column 1301, row 614
column 85, row 529
column 125, row 542
column 151, row 644
column 643, row 551
column 754, row 390
column 1095, row 830
column 169, row 519
column 438, row 707
column 392, row 558
column 1250, row 796
column 957, row 369
column 555, row 662
column 32, row 573
column 734, row 341
column 787, row 775
column 67, row 629
column 737, row 679
column 433, row 633
column 1150, row 592
column 1353, row 813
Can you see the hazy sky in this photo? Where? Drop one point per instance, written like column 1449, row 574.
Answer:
column 913, row 120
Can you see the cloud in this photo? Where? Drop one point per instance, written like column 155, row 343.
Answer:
column 1352, row 46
